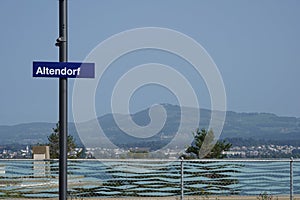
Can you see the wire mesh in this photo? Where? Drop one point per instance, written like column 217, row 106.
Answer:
column 36, row 179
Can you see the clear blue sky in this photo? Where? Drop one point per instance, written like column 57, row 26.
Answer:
column 255, row 45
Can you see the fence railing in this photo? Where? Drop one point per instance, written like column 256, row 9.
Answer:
column 150, row 178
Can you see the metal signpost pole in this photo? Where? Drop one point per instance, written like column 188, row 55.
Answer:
column 64, row 70
column 63, row 101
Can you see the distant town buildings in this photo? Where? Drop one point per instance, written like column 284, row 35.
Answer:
column 261, row 151
column 10, row 154
column 264, row 151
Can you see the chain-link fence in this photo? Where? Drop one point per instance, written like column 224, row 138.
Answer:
column 180, row 179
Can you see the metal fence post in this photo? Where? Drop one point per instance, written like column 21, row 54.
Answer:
column 182, row 181
column 291, row 179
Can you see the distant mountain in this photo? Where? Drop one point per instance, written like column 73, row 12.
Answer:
column 257, row 126
column 30, row 133
column 261, row 126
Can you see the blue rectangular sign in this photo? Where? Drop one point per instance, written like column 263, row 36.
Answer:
column 63, row 70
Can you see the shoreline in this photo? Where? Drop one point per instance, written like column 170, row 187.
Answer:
column 202, row 197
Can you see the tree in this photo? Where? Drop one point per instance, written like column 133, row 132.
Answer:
column 207, row 149
column 53, row 139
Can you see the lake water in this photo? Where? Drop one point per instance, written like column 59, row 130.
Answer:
column 148, row 178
